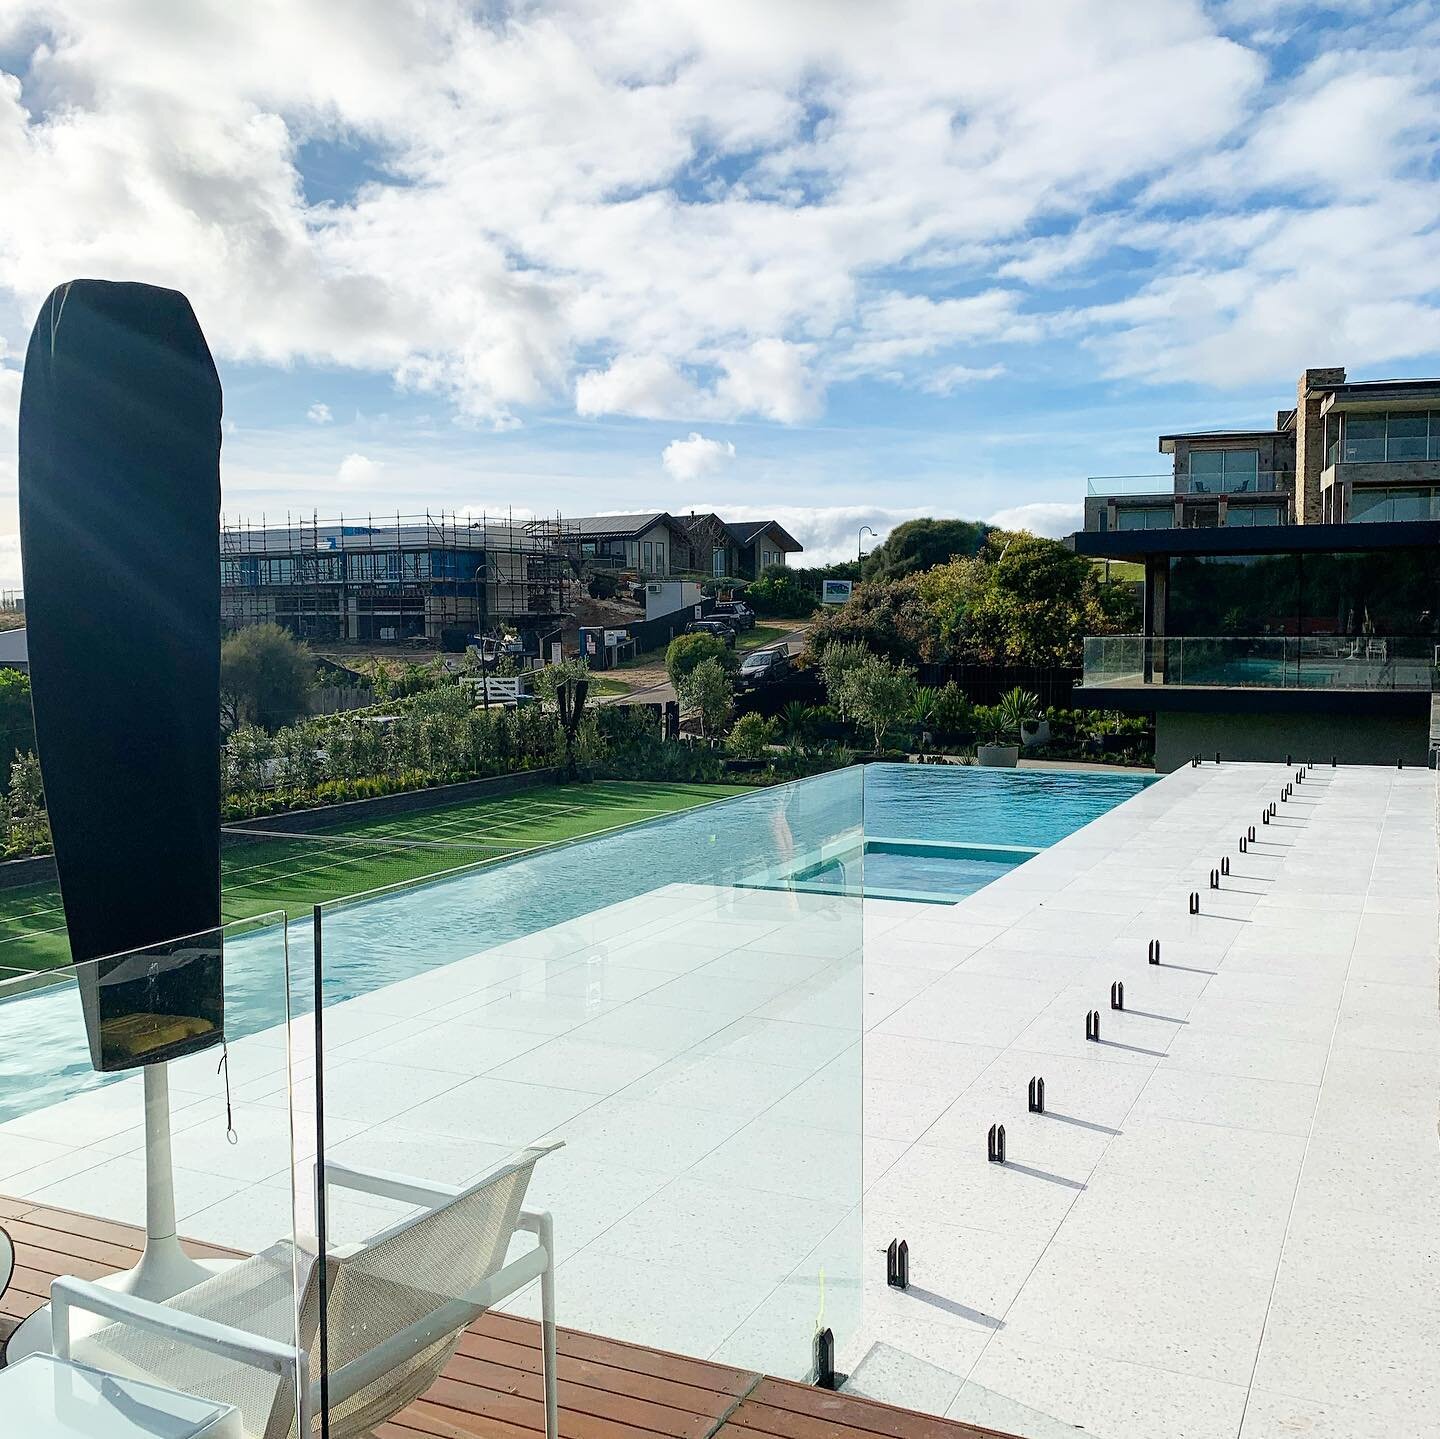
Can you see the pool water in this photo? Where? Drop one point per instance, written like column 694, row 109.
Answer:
column 926, row 833
column 963, row 804
column 935, row 834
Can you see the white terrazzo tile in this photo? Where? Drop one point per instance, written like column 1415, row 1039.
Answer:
column 1106, row 1397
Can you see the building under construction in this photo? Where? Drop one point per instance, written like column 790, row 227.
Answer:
column 382, row 579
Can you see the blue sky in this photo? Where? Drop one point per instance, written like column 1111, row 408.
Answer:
column 832, row 261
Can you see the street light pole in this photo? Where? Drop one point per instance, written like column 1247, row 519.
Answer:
column 860, row 542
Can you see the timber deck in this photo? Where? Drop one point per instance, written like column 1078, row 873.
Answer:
column 492, row 1386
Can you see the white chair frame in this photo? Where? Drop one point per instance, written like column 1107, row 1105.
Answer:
column 291, row 1363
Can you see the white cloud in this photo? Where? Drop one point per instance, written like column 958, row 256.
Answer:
column 319, row 413
column 1055, row 520
column 687, row 460
column 690, row 212
column 359, row 471
column 949, row 378
column 643, row 385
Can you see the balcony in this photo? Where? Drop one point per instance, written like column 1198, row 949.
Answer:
column 1265, row 482
column 1404, row 663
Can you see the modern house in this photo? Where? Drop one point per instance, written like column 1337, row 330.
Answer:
column 740, row 550
column 1292, row 583
column 658, row 544
column 390, row 581
column 1366, row 451
column 650, row 544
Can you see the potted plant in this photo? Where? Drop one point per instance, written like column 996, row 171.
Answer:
column 1003, row 723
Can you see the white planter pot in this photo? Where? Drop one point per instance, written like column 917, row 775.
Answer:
column 997, row 756
column 1035, row 732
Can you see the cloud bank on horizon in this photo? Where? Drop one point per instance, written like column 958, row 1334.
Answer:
column 659, row 222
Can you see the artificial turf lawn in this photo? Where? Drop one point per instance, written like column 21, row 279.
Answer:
column 262, row 874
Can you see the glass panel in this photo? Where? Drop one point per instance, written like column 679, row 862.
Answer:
column 1231, row 594
column 1364, row 439
column 149, row 1094
column 1370, row 505
column 1207, row 462
column 1241, row 462
column 679, row 1004
column 1406, row 435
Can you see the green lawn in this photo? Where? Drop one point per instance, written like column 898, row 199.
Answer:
column 760, row 636
column 263, row 873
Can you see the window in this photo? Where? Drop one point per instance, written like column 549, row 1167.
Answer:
column 1373, row 505
column 647, row 560
column 1396, row 435
column 1253, row 515
column 660, row 559
column 717, row 561
column 1224, row 472
column 1144, row 518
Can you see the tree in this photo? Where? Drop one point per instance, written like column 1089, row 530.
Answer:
column 837, row 659
column 1034, row 601
column 880, row 693
column 265, row 677
column 707, row 691
column 17, row 722
column 921, row 544
column 886, row 616
column 547, row 681
column 686, row 652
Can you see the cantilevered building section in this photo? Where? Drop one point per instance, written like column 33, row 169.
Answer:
column 383, row 579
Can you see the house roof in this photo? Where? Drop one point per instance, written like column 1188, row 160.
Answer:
column 748, row 531
column 620, row 527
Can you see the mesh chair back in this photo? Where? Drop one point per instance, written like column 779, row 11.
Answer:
column 422, row 1266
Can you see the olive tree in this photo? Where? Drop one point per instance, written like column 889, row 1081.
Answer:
column 707, row 691
column 880, row 693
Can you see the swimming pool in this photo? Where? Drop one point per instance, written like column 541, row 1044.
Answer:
column 926, row 833
column 934, row 834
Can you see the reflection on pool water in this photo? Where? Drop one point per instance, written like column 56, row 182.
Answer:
column 930, row 833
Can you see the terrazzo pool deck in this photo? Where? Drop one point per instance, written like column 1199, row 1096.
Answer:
column 1228, row 1222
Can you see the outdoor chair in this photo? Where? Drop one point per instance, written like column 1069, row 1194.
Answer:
column 398, row 1304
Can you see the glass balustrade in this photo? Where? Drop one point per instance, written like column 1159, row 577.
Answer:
column 652, row 1035
column 153, row 1171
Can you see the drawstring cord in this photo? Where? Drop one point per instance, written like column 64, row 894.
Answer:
column 224, row 1064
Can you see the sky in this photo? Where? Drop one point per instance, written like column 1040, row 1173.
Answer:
column 827, row 261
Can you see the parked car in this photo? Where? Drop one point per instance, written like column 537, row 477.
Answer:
column 760, row 667
column 735, row 613
column 719, row 629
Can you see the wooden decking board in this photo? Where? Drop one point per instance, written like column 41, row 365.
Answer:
column 623, row 1408
column 492, row 1387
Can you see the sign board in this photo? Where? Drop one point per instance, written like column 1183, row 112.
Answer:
column 699, row 612
column 835, row 592
column 616, row 637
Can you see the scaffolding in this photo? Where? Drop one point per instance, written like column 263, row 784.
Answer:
column 389, row 579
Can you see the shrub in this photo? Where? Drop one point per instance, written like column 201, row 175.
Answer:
column 685, row 652
column 751, row 736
